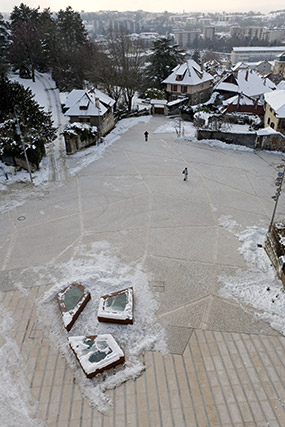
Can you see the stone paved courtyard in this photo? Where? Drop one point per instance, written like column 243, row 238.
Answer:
column 224, row 366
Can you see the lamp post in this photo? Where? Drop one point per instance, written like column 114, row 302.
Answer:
column 18, row 130
column 278, row 183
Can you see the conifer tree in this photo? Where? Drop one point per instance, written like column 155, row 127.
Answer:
column 164, row 58
column 35, row 124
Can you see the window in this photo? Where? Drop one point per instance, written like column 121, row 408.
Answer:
column 183, row 89
column 173, row 88
column 272, row 125
column 268, row 120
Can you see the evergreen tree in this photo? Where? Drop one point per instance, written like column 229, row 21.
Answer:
column 71, row 51
column 163, row 59
column 26, row 53
column 35, row 124
column 4, row 41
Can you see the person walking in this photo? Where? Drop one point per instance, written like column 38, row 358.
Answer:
column 146, row 135
column 185, row 172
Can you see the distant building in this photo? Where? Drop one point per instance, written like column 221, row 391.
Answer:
column 189, row 80
column 279, row 65
column 247, row 32
column 186, row 38
column 255, row 54
column 209, row 33
column 263, row 67
column 275, row 110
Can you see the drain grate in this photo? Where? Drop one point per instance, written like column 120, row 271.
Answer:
column 158, row 286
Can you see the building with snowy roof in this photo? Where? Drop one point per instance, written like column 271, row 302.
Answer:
column 242, row 103
column 255, row 54
column 279, row 64
column 91, row 107
column 275, row 110
column 247, row 82
column 189, row 80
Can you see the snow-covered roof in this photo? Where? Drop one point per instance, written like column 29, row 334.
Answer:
column 87, row 103
column 176, row 101
column 281, row 85
column 188, row 74
column 268, row 131
column 229, row 87
column 276, row 100
column 258, row 48
column 240, row 99
column 159, row 102
column 248, row 82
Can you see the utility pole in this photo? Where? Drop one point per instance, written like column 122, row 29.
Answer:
column 18, row 130
column 278, row 183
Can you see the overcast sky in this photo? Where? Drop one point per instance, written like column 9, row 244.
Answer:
column 151, row 5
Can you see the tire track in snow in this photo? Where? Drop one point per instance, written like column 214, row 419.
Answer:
column 58, row 170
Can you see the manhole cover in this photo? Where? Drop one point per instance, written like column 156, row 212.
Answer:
column 21, row 218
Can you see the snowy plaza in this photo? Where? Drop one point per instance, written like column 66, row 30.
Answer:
column 207, row 344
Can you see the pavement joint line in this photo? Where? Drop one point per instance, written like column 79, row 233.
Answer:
column 265, row 368
column 52, row 384
column 236, row 372
column 277, row 353
column 44, row 374
column 265, row 391
column 12, row 242
column 80, row 205
column 207, row 376
column 188, row 385
column 61, row 394
column 136, row 402
column 168, row 391
column 114, row 407
column 125, row 404
column 157, row 389
column 198, row 381
column 70, row 403
column 54, row 259
column 179, row 390
column 219, row 381
column 146, row 393
column 246, row 372
column 272, row 362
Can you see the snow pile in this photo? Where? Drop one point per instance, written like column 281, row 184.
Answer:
column 258, row 286
column 215, row 143
column 15, row 398
column 101, row 273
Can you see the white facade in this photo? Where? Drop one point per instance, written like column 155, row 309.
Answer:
column 255, row 54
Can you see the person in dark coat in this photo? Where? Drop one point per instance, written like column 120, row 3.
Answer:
column 146, row 135
column 185, row 172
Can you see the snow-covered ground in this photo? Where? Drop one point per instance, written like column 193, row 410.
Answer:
column 16, row 405
column 258, row 286
column 101, row 273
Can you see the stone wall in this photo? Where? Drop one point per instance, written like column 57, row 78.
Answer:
column 246, row 139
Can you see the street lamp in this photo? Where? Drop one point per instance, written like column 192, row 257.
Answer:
column 278, row 183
